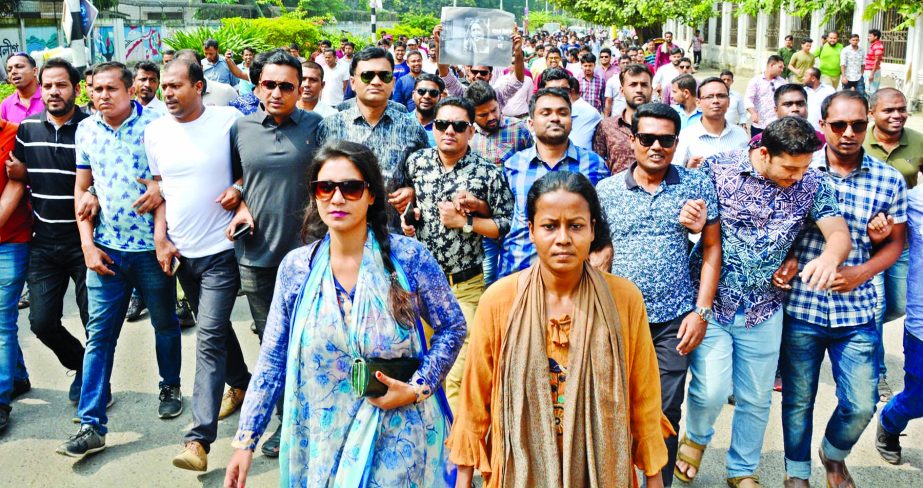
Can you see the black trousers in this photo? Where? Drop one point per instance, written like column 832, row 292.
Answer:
column 673, row 368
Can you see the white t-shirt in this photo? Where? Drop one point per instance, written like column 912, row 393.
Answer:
column 333, row 84
column 664, row 78
column 585, row 118
column 194, row 161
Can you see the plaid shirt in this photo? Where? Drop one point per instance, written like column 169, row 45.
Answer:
column 875, row 187
column 512, row 136
column 522, row 170
column 593, row 90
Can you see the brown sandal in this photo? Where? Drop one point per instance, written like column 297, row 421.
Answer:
column 692, row 462
column 836, row 467
column 735, row 482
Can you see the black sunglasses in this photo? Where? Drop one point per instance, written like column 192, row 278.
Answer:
column 368, row 76
column 432, row 92
column 647, row 140
column 283, row 86
column 458, row 125
column 481, row 72
column 839, row 127
column 350, row 189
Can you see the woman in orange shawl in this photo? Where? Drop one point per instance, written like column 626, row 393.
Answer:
column 562, row 372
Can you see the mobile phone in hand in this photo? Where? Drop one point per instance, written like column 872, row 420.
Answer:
column 175, row 265
column 410, row 217
column 241, row 231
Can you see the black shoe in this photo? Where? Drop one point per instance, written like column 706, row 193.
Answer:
column 271, row 446
column 73, row 393
column 888, row 445
column 87, row 440
column 732, row 400
column 21, row 387
column 136, row 308
column 4, row 417
column 884, row 390
column 171, row 402
column 24, row 299
column 184, row 314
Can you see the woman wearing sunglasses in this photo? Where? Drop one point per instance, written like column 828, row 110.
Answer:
column 363, row 405
column 561, row 368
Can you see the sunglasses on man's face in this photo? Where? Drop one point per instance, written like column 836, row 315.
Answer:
column 480, row 72
column 839, row 126
column 350, row 189
column 457, row 125
column 368, row 76
column 283, row 86
column 647, row 140
column 432, row 92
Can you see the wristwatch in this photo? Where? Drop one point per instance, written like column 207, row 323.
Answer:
column 239, row 188
column 469, row 226
column 704, row 312
column 91, row 190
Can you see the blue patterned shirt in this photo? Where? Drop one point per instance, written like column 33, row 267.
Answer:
column 760, row 221
column 246, row 104
column 116, row 157
column 522, row 170
column 438, row 308
column 649, row 243
column 874, row 187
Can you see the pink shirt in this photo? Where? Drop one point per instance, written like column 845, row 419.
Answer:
column 12, row 109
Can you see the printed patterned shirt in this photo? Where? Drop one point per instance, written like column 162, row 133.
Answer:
column 116, row 157
column 759, row 96
column 593, row 91
column 760, row 221
column 522, row 170
column 613, row 143
column 874, row 187
column 512, row 136
column 852, row 59
column 454, row 249
column 649, row 243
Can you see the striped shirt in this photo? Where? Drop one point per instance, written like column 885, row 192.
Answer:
column 695, row 140
column 522, row 170
column 874, row 187
column 49, row 154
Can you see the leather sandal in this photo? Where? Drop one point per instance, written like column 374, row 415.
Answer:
column 736, row 482
column 692, row 462
column 796, row 483
column 836, row 467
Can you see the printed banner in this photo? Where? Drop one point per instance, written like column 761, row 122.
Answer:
column 476, row 37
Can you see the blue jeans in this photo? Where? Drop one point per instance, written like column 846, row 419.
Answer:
column 14, row 260
column 852, row 356
column 891, row 286
column 491, row 260
column 735, row 359
column 108, row 298
column 908, row 404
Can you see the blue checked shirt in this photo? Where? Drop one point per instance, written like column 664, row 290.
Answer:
column 874, row 187
column 522, row 170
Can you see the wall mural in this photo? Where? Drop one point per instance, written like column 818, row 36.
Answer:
column 142, row 43
column 41, row 38
column 104, row 44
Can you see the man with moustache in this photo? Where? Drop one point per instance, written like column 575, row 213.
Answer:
column 612, row 140
column 712, row 133
column 27, row 99
column 426, row 94
column 312, row 85
column 403, row 87
column 147, row 81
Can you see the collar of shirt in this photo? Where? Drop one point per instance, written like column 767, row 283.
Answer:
column 819, row 161
column 37, row 96
column 531, row 154
column 671, row 178
column 74, row 120
column 294, row 118
column 698, row 130
column 505, row 122
column 353, row 114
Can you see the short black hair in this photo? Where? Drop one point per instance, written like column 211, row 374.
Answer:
column 282, row 58
column 29, row 59
column 676, row 50
column 368, row 54
column 634, row 70
column 790, row 135
column 686, row 82
column 547, row 92
column 727, row 72
column 807, row 39
column 789, row 37
column 210, row 43
column 879, row 94
column 294, row 45
column 350, row 44
column 147, row 66
column 553, row 74
column 710, row 79
column 72, row 74
column 193, row 71
column 124, row 73
column 248, row 48
column 605, row 50
column 170, row 52
column 459, row 102
column 813, row 72
column 588, row 58
column 431, row 78
column 88, row 72
column 572, row 183
column 875, row 32
column 656, row 111
column 413, row 52
column 854, row 36
column 791, row 87
column 775, row 58
column 256, row 67
column 550, row 50
column 308, row 64
column 686, row 60
column 480, row 92
column 847, row 94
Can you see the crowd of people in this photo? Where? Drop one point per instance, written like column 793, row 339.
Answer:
column 422, row 247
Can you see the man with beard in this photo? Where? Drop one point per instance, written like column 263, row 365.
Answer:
column 666, row 73
column 550, row 120
column 312, row 85
column 403, row 87
column 613, row 135
column 216, row 68
column 426, row 94
column 44, row 158
column 711, row 133
column 27, row 99
column 147, row 80
column 584, row 117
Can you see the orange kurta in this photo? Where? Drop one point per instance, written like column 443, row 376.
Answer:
column 479, row 405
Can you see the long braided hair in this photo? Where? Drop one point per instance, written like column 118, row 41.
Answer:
column 401, row 301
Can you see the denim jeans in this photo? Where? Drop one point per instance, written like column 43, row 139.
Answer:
column 871, row 82
column 108, row 298
column 735, row 359
column 852, row 357
column 859, row 85
column 51, row 266
column 673, row 368
column 211, row 284
column 491, row 260
column 908, row 404
column 14, row 260
column 896, row 287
